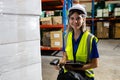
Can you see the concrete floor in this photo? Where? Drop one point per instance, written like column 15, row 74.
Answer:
column 109, row 62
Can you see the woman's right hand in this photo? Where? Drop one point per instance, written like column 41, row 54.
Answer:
column 57, row 67
column 64, row 59
column 61, row 63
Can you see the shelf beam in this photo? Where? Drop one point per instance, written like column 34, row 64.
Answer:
column 53, row 1
column 52, row 4
column 89, row 1
column 52, row 26
column 52, row 7
column 50, row 48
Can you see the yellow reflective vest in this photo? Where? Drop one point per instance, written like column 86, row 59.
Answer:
column 83, row 51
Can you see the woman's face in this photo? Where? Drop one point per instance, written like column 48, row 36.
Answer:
column 76, row 21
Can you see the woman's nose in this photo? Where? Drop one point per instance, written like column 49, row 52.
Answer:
column 76, row 20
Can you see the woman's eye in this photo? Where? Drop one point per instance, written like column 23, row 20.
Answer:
column 72, row 18
column 78, row 18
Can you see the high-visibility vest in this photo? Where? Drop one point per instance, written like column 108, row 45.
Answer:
column 83, row 51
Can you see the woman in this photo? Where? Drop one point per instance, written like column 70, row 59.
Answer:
column 79, row 45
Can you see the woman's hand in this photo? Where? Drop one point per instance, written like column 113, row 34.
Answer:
column 57, row 67
column 64, row 59
column 92, row 64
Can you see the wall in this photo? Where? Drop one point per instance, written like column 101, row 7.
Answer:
column 20, row 57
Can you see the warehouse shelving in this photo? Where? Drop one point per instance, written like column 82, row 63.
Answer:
column 93, row 20
column 104, row 18
column 50, row 48
column 89, row 1
column 61, row 5
column 58, row 26
column 48, row 5
column 52, row 4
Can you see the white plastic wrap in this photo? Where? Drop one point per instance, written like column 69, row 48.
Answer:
column 17, row 28
column 20, row 6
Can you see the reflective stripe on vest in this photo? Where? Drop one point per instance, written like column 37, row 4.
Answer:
column 89, row 73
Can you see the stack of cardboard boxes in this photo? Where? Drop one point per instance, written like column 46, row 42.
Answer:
column 51, row 20
column 56, row 39
column 52, row 37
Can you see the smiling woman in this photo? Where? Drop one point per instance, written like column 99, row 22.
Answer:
column 80, row 45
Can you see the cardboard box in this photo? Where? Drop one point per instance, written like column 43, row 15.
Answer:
column 117, row 30
column 117, row 24
column 99, row 13
column 105, row 13
column 46, row 21
column 117, row 13
column 56, row 35
column 117, row 9
column 46, row 39
column 103, row 29
column 57, row 19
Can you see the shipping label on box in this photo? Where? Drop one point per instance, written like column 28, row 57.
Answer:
column 56, row 35
column 106, row 24
column 57, row 43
